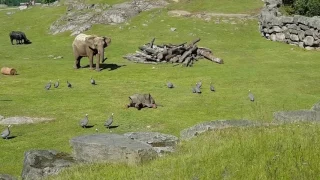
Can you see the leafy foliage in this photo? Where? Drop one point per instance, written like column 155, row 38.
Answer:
column 302, row 7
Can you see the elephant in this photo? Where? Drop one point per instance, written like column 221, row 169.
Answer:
column 89, row 46
column 141, row 100
column 19, row 36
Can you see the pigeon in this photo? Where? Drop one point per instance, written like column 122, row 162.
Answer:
column 109, row 121
column 92, row 81
column 212, row 87
column 56, row 84
column 48, row 86
column 193, row 89
column 199, row 84
column 69, row 85
column 251, row 96
column 197, row 89
column 84, row 121
column 170, row 85
column 5, row 134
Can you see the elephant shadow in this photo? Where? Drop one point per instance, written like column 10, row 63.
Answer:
column 111, row 67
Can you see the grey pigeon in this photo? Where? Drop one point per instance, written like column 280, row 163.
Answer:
column 69, row 85
column 198, row 90
column 199, row 84
column 170, row 85
column 92, row 81
column 193, row 89
column 109, row 121
column 56, row 84
column 48, row 86
column 5, row 134
column 84, row 121
column 212, row 87
column 251, row 96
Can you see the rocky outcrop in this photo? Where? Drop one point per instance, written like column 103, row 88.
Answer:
column 41, row 163
column 7, row 177
column 23, row 120
column 111, row 148
column 297, row 30
column 80, row 16
column 194, row 131
column 161, row 143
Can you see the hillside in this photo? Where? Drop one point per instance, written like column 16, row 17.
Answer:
column 282, row 77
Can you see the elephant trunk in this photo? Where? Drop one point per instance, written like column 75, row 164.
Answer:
column 101, row 55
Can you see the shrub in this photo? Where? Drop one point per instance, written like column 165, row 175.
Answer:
column 302, row 7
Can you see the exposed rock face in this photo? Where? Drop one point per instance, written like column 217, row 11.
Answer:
column 41, row 163
column 111, row 148
column 23, row 120
column 6, row 177
column 194, row 131
column 80, row 17
column 297, row 30
column 161, row 143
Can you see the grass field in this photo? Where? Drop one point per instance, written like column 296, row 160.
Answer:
column 281, row 76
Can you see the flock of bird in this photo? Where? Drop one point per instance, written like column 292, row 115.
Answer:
column 69, row 85
column 84, row 122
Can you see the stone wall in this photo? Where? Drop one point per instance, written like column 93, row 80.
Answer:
column 296, row 30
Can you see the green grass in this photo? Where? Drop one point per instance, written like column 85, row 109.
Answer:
column 282, row 77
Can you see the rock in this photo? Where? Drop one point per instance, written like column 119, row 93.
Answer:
column 111, row 148
column 273, row 37
column 309, row 32
column 194, row 131
column 161, row 143
column 1, row 117
column 173, row 29
column 22, row 7
column 301, row 44
column 301, row 35
column 294, row 37
column 41, row 163
column 23, row 120
column 316, row 107
column 309, row 48
column 7, row 177
column 280, row 37
column 178, row 13
column 286, row 19
column 277, row 29
column 50, row 56
column 308, row 40
column 303, row 27
column 293, row 116
column 9, row 13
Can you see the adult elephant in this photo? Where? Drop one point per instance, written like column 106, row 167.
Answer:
column 89, row 46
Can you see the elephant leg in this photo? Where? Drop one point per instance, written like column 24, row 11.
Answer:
column 77, row 62
column 98, row 64
column 91, row 61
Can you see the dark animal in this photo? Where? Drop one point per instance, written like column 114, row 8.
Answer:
column 141, row 100
column 20, row 37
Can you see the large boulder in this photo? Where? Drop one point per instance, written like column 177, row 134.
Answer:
column 308, row 40
column 111, row 148
column 161, row 143
column 194, row 131
column 7, row 177
column 41, row 163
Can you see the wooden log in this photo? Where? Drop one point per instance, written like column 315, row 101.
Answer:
column 169, row 56
column 174, row 59
column 151, row 43
column 162, row 54
column 209, row 55
column 148, row 50
column 8, row 71
column 187, row 53
column 187, row 61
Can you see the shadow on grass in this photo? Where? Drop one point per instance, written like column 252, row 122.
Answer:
column 111, row 67
column 90, row 126
column 11, row 137
column 5, row 100
column 111, row 127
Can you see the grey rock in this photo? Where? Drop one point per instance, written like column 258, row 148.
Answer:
column 111, row 148
column 309, row 48
column 292, row 26
column 301, row 35
column 301, row 44
column 303, row 27
column 300, row 19
column 280, row 37
column 294, row 37
column 161, row 143
column 286, row 19
column 316, row 107
column 273, row 37
column 294, row 116
column 309, row 32
column 38, row 164
column 7, row 177
column 277, row 29
column 1, row 117
column 23, row 120
column 173, row 29
column 308, row 40
column 293, row 31
column 194, row 131
column 315, row 22
column 284, row 28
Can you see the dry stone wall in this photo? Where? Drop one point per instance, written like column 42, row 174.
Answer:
column 296, row 30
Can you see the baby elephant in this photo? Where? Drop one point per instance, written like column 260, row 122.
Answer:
column 20, row 37
column 89, row 46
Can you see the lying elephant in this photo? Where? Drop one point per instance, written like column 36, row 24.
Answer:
column 89, row 46
column 141, row 100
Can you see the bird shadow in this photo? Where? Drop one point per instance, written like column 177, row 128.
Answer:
column 111, row 67
column 5, row 100
column 11, row 137
column 90, row 126
column 111, row 127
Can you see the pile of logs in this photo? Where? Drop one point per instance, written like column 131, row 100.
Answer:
column 185, row 54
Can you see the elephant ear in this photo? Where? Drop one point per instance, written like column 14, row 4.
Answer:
column 107, row 41
column 91, row 42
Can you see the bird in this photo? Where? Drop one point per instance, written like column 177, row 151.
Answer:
column 69, row 85
column 48, row 86
column 109, row 121
column 84, row 121
column 92, row 81
column 193, row 89
column 197, row 89
column 5, row 134
column 56, row 84
column 199, row 84
column 251, row 96
column 170, row 85
column 212, row 87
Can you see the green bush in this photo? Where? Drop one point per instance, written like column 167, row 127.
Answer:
column 313, row 8
column 302, row 7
